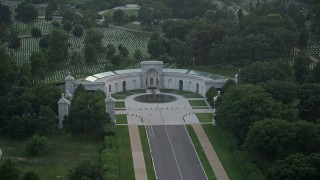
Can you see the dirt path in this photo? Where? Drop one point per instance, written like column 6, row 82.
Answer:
column 137, row 154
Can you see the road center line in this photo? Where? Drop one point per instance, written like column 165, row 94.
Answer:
column 175, row 158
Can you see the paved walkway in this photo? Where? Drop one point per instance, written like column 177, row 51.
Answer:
column 137, row 154
column 212, row 156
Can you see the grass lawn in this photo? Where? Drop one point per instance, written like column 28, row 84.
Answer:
column 136, row 27
column 215, row 70
column 193, row 95
column 203, row 158
column 167, row 90
column 121, row 119
column 123, row 93
column 225, row 156
column 64, row 152
column 182, row 92
column 128, row 12
column 138, row 91
column 197, row 103
column 146, row 153
column 126, row 171
column 204, row 117
column 120, row 104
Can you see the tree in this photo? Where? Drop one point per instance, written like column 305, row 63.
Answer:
column 137, row 55
column 118, row 16
column 309, row 104
column 155, row 46
column 46, row 120
column 26, row 12
column 49, row 11
column 90, row 53
column 77, row 30
column 46, row 95
column 25, row 76
column 43, row 43
column 38, row 64
column 259, row 73
column 86, row 170
column 5, row 21
column 111, row 51
column 35, row 32
column 95, row 38
column 301, row 68
column 57, row 46
column 30, row 175
column 14, row 42
column 16, row 127
column 8, row 72
column 9, row 170
column 116, row 60
column 123, row 50
column 316, row 73
column 271, row 138
column 296, row 166
column 210, row 94
column 67, row 26
column 87, row 114
column 36, row 145
column 281, row 91
column 243, row 105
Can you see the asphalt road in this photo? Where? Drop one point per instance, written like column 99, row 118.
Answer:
column 173, row 153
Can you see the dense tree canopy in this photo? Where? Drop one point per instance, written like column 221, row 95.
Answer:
column 259, row 73
column 9, row 170
column 87, row 114
column 26, row 12
column 57, row 46
column 87, row 170
column 296, row 166
column 243, row 105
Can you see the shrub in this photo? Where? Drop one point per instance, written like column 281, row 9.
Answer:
column 36, row 144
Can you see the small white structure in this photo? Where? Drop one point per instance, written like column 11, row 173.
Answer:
column 110, row 107
column 63, row 107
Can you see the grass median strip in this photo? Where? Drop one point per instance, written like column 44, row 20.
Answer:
column 204, row 117
column 197, row 103
column 121, row 119
column 215, row 136
column 146, row 153
column 203, row 158
column 120, row 104
column 126, row 171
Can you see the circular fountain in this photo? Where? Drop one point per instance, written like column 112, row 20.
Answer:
column 155, row 98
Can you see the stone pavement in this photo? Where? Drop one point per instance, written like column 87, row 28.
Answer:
column 137, row 154
column 211, row 154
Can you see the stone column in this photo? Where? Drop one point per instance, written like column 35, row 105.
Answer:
column 63, row 106
column 69, row 82
column 110, row 107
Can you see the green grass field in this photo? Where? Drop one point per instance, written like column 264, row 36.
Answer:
column 121, row 119
column 204, row 117
column 193, row 95
column 120, row 104
column 203, row 158
column 225, row 156
column 64, row 152
column 215, row 70
column 126, row 171
column 167, row 90
column 128, row 12
column 197, row 103
column 146, row 152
